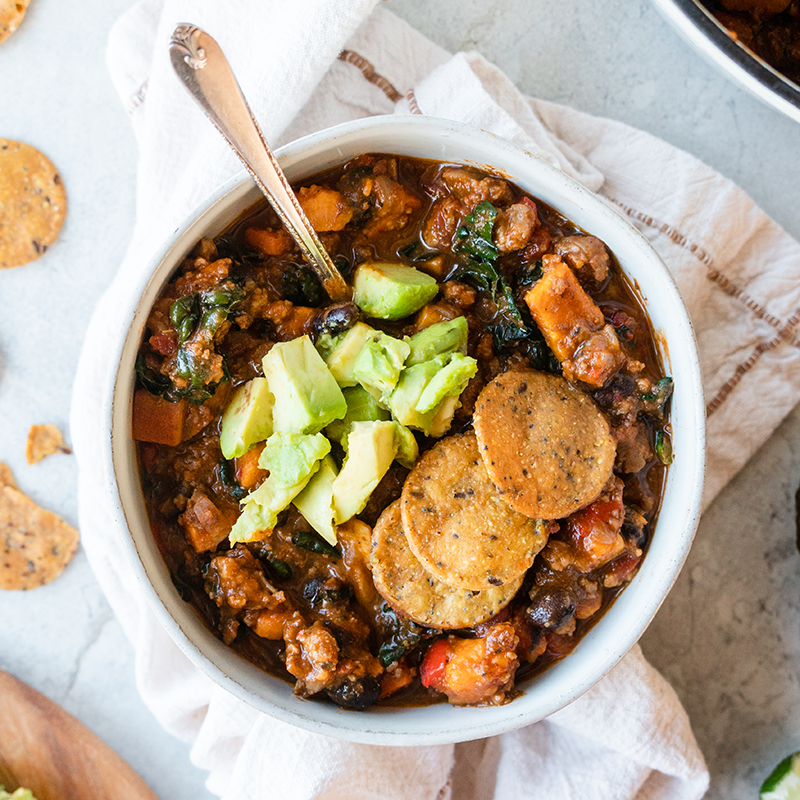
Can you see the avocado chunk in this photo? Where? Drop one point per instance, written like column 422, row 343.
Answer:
column 307, row 397
column 315, row 502
column 371, row 448
column 391, row 291
column 247, row 419
column 361, row 407
column 440, row 401
column 340, row 352
column 449, row 381
column 407, row 447
column 291, row 458
column 380, row 363
column 439, row 339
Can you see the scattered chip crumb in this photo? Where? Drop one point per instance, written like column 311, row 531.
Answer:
column 33, row 202
column 35, row 544
column 11, row 14
column 43, row 441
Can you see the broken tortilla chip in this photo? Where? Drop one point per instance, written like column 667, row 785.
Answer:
column 6, row 476
column 43, row 441
column 33, row 202
column 35, row 544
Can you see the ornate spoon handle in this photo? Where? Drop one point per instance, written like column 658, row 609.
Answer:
column 203, row 69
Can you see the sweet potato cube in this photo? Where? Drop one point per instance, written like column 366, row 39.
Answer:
column 326, row 209
column 157, row 420
column 573, row 326
column 205, row 524
column 565, row 314
column 248, row 473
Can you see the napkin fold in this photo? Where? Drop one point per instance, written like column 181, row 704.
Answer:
column 309, row 64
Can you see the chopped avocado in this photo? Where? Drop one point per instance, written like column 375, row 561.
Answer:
column 254, row 523
column 391, row 291
column 315, row 502
column 443, row 418
column 379, row 364
column 247, row 419
column 449, row 381
column 19, row 794
column 291, row 458
column 438, row 339
column 403, row 400
column 407, row 398
column 407, row 447
column 340, row 352
column 371, row 448
column 307, row 397
column 361, row 407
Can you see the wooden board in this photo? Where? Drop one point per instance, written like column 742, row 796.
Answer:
column 49, row 752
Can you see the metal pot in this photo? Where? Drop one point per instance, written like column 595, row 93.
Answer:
column 741, row 64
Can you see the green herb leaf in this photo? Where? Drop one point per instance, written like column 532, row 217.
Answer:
column 301, row 286
column 280, row 568
column 228, row 477
column 389, row 652
column 475, row 240
column 314, row 543
column 664, row 447
column 184, row 314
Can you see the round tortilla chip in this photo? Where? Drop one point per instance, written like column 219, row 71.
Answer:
column 11, row 14
column 33, row 203
column 545, row 444
column 35, row 545
column 416, row 594
column 457, row 524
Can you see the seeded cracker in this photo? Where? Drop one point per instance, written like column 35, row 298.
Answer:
column 43, row 441
column 546, row 445
column 414, row 593
column 35, row 545
column 457, row 524
column 11, row 14
column 32, row 203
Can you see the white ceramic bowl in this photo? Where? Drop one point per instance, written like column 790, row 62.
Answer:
column 624, row 622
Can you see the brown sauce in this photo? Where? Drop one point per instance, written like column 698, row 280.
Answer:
column 172, row 474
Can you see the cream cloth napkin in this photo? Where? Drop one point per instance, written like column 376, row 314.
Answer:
column 307, row 64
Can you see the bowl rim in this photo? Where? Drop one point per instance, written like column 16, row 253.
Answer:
column 442, row 724
column 698, row 26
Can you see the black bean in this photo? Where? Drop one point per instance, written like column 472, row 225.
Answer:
column 551, row 608
column 335, row 319
column 355, row 693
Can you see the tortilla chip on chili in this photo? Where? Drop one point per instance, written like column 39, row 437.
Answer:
column 43, row 441
column 33, row 202
column 35, row 544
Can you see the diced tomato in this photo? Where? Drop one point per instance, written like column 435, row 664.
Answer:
column 164, row 343
column 431, row 671
column 595, row 529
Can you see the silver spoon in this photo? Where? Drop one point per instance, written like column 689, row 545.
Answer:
column 203, row 69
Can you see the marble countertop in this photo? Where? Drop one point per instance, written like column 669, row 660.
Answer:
column 727, row 637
